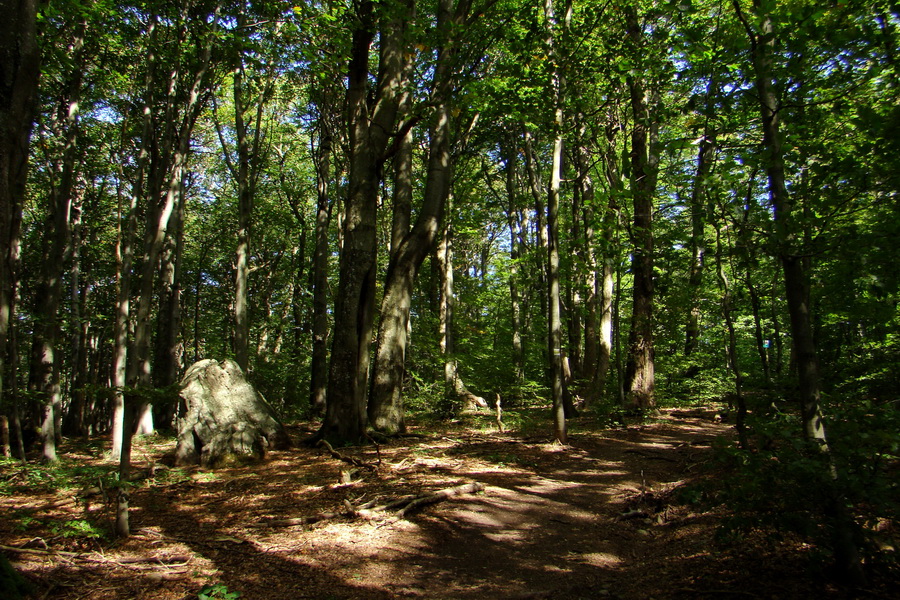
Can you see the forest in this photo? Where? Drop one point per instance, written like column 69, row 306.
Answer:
column 637, row 257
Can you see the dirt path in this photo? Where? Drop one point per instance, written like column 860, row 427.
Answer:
column 597, row 519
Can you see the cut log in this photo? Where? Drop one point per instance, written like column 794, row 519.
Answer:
column 222, row 419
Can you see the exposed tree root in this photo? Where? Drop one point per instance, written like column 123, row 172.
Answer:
column 403, row 505
column 347, row 459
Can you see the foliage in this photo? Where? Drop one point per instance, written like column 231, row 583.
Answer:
column 768, row 489
column 65, row 474
column 217, row 591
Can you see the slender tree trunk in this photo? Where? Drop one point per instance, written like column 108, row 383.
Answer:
column 169, row 346
column 698, row 241
column 245, row 220
column 554, row 321
column 589, row 264
column 640, row 376
column 605, row 272
column 75, row 417
column 165, row 189
column 515, row 235
column 535, row 185
column 56, row 254
column 732, row 352
column 788, row 237
column 125, row 243
column 319, row 365
column 385, row 406
column 454, row 388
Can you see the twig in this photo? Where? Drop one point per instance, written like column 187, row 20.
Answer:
column 718, row 592
column 634, row 514
column 347, row 459
column 162, row 560
column 302, row 520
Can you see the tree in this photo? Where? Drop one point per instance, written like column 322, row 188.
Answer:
column 554, row 322
column 19, row 72
column 385, row 408
column 787, row 232
column 371, row 119
column 644, row 165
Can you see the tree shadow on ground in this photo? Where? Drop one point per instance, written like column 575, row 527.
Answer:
column 599, row 518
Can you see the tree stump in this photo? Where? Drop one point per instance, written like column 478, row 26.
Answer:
column 222, row 419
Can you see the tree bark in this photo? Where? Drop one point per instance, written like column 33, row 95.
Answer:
column 698, row 241
column 319, row 363
column 732, row 352
column 385, row 406
column 164, row 190
column 516, row 236
column 554, row 320
column 19, row 73
column 370, row 127
column 44, row 378
column 639, row 375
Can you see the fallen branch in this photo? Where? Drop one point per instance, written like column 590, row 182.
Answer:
column 162, row 560
column 347, row 459
column 403, row 505
column 634, row 514
column 440, row 496
column 293, row 522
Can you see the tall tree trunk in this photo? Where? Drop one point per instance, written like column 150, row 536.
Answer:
column 454, row 388
column 516, row 234
column 535, row 185
column 386, row 406
column 19, row 73
column 169, row 348
column 554, row 321
column 125, row 246
column 605, row 272
column 74, row 423
column 731, row 347
column 245, row 220
column 165, row 189
column 640, row 376
column 748, row 261
column 369, row 127
column 788, row 232
column 588, row 260
column 698, row 241
column 319, row 366
column 56, row 252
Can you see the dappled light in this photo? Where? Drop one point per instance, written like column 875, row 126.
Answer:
column 565, row 522
column 450, row 299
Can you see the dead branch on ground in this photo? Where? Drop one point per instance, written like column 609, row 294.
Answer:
column 403, row 505
column 175, row 560
column 347, row 459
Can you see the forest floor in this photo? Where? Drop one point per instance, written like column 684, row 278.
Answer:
column 604, row 517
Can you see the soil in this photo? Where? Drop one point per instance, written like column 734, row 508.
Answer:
column 603, row 517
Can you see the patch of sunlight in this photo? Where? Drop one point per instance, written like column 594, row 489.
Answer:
column 507, row 536
column 600, row 559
